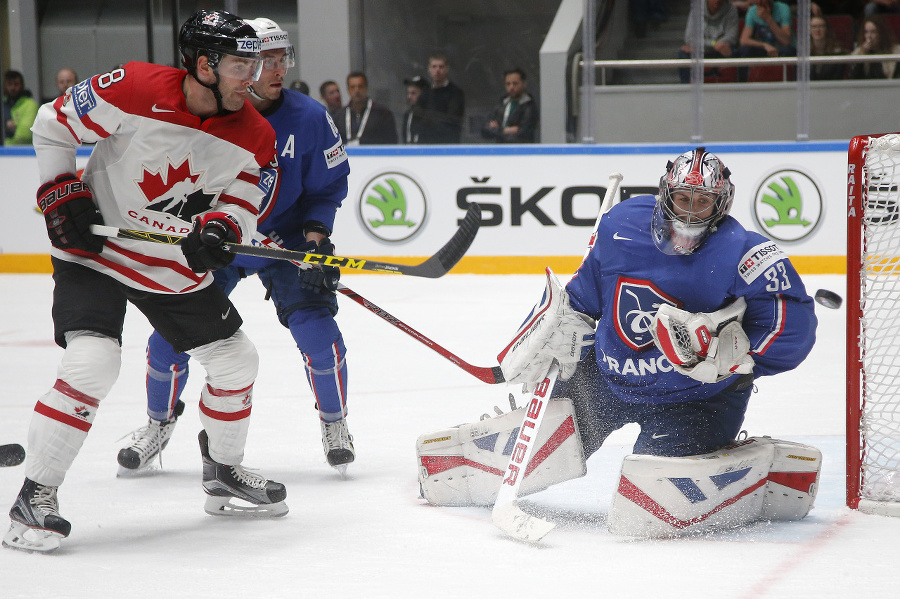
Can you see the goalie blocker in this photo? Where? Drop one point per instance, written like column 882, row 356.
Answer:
column 756, row 479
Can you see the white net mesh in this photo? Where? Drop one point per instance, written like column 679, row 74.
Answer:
column 880, row 325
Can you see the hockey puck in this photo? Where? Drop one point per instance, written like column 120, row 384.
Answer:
column 11, row 455
column 829, row 299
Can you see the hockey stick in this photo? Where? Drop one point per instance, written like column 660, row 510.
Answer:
column 490, row 375
column 11, row 455
column 487, row 374
column 506, row 515
column 434, row 267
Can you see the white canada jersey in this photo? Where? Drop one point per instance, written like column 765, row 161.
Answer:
column 155, row 167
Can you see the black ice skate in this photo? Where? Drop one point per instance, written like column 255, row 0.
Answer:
column 337, row 443
column 147, row 443
column 259, row 497
column 36, row 524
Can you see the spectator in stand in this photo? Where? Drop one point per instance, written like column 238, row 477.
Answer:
column 515, row 120
column 876, row 7
column 330, row 93
column 822, row 42
column 441, row 106
column 19, row 110
column 767, row 32
column 363, row 121
column 65, row 78
column 875, row 37
column 414, row 88
column 300, row 86
column 720, row 34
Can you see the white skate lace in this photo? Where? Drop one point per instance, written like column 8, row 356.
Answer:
column 44, row 499
column 149, row 438
column 248, row 478
column 336, row 435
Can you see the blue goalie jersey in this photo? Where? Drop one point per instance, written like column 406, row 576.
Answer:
column 626, row 278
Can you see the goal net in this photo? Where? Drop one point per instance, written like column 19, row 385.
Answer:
column 873, row 326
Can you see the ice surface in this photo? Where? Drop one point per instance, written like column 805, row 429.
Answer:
column 370, row 535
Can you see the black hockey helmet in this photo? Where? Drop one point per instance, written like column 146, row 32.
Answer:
column 214, row 33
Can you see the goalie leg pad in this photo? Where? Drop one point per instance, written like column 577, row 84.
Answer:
column 464, row 465
column 760, row 478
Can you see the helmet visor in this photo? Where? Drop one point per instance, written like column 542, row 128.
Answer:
column 276, row 59
column 239, row 67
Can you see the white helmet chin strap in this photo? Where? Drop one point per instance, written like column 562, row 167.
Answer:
column 253, row 93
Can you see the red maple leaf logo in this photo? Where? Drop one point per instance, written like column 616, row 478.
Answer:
column 154, row 185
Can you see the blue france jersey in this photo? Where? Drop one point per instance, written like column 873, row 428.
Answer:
column 626, row 278
column 312, row 179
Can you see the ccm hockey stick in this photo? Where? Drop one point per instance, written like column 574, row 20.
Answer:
column 11, row 455
column 507, row 515
column 436, row 266
column 490, row 375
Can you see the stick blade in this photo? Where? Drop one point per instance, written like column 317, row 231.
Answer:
column 453, row 251
column 509, row 518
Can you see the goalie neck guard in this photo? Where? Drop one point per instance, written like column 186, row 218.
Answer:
column 698, row 176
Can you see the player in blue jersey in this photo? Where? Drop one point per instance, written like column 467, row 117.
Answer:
column 683, row 251
column 306, row 193
column 667, row 322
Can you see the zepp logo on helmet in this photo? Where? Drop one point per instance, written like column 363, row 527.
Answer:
column 247, row 44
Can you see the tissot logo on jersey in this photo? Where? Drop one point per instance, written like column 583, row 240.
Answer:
column 635, row 304
column 174, row 193
column 335, row 155
column 754, row 262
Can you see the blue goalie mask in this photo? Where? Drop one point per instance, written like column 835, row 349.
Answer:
column 695, row 195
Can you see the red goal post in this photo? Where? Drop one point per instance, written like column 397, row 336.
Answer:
column 873, row 324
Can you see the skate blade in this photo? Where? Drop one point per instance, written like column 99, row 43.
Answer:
column 342, row 470
column 236, row 508
column 31, row 540
column 152, row 469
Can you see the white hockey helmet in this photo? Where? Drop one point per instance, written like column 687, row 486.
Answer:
column 695, row 173
column 273, row 37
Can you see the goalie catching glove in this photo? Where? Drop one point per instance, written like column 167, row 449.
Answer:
column 708, row 347
column 69, row 210
column 552, row 331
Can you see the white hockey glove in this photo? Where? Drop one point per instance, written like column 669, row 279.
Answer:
column 708, row 347
column 552, row 331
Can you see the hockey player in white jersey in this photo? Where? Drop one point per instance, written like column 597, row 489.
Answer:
column 300, row 214
column 178, row 152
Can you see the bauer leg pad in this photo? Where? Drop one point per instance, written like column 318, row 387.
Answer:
column 757, row 479
column 464, row 465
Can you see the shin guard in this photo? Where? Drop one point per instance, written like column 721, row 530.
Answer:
column 63, row 416
column 226, row 400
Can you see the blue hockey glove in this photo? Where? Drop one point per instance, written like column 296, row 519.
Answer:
column 319, row 279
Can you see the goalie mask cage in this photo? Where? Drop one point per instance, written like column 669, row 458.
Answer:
column 873, row 329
